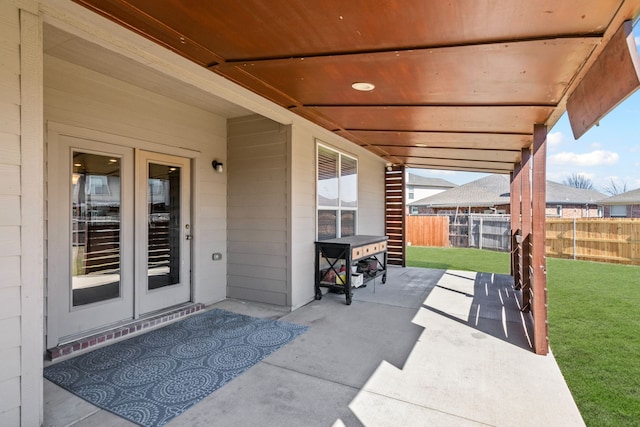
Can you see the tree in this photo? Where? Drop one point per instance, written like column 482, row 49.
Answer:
column 578, row 181
column 613, row 188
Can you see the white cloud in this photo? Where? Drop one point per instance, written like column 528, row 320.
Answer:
column 555, row 138
column 596, row 145
column 563, row 175
column 556, row 176
column 594, row 158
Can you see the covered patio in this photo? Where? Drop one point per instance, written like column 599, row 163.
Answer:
column 429, row 347
column 466, row 86
column 263, row 88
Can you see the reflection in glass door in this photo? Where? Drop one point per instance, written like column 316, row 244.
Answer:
column 163, row 238
column 163, row 231
column 90, row 269
column 95, row 228
column 119, row 235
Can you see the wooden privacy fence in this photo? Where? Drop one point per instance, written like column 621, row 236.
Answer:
column 610, row 240
column 594, row 239
column 460, row 231
column 428, row 230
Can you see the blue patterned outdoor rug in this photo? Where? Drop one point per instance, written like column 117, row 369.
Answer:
column 151, row 378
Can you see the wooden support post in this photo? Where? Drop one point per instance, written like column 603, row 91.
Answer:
column 538, row 238
column 515, row 190
column 525, row 246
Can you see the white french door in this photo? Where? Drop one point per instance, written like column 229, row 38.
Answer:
column 118, row 235
column 163, row 231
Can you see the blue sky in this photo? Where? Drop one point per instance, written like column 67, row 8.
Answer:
column 610, row 151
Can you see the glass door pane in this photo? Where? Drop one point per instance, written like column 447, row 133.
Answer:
column 163, row 231
column 95, row 228
column 163, row 238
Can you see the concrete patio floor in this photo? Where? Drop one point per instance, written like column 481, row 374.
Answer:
column 428, row 348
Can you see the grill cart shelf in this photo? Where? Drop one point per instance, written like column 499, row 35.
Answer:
column 367, row 253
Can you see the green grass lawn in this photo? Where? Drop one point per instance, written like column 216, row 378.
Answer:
column 594, row 326
column 458, row 259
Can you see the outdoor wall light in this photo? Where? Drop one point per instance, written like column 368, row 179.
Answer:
column 389, row 167
column 217, row 166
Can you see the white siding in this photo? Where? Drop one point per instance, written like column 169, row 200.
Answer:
column 420, row 193
column 303, row 202
column 20, row 217
column 258, row 206
column 86, row 99
column 303, row 215
column 370, row 195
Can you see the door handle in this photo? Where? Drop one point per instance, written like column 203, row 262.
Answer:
column 188, row 237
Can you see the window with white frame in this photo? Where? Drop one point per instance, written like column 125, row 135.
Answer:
column 618, row 211
column 411, row 193
column 337, row 201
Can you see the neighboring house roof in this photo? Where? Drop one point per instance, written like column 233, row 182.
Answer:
column 629, row 198
column 488, row 191
column 564, row 194
column 494, row 190
column 423, row 181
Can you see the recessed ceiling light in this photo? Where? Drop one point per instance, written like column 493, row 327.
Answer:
column 113, row 160
column 77, row 165
column 363, row 86
column 421, row 145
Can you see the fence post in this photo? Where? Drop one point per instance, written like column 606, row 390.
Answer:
column 574, row 237
column 469, row 229
column 480, row 233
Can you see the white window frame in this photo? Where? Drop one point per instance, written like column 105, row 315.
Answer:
column 339, row 209
column 618, row 214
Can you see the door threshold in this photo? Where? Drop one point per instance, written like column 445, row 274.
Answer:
column 110, row 336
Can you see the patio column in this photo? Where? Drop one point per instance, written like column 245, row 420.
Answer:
column 525, row 245
column 514, row 211
column 538, row 240
column 395, row 214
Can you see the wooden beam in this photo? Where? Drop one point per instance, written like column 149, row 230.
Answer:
column 478, row 140
column 538, row 240
column 613, row 77
column 478, row 166
column 509, row 156
column 457, row 168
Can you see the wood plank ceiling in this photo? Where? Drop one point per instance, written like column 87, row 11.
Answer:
column 458, row 84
